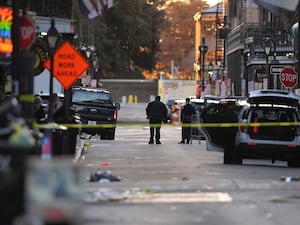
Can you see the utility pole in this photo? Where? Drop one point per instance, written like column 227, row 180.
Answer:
column 23, row 64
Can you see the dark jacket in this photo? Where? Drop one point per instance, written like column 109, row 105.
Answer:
column 156, row 110
column 39, row 113
column 187, row 112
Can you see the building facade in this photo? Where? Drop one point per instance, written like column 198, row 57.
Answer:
column 258, row 47
column 248, row 47
column 210, row 66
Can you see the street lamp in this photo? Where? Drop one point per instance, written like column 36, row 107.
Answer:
column 210, row 70
column 219, row 62
column 88, row 53
column 203, row 49
column 210, row 67
column 52, row 36
column 267, row 51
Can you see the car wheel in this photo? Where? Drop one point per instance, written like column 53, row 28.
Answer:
column 294, row 163
column 111, row 135
column 231, row 156
column 108, row 134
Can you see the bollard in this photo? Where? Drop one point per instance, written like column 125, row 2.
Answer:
column 130, row 99
column 135, row 99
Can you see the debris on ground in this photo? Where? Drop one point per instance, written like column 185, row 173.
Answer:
column 101, row 195
column 289, row 179
column 103, row 177
column 105, row 164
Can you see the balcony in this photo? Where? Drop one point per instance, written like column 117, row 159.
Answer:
column 251, row 38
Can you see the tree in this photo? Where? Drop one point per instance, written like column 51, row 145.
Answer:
column 126, row 37
column 178, row 41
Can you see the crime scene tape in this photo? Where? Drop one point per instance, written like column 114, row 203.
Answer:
column 26, row 98
column 192, row 125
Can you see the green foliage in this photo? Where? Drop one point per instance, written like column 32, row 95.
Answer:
column 127, row 36
column 178, row 40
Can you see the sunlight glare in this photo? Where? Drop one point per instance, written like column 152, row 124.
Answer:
column 212, row 2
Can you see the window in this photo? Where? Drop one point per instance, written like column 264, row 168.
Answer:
column 81, row 95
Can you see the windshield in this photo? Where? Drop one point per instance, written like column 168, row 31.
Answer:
column 87, row 96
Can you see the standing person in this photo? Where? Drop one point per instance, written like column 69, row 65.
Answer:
column 186, row 118
column 39, row 111
column 156, row 113
column 56, row 103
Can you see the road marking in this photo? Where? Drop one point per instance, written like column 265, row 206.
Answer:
column 180, row 197
column 159, row 157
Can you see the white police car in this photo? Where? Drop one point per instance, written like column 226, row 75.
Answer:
column 264, row 128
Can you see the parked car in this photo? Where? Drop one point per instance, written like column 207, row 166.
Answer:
column 261, row 129
column 96, row 108
column 45, row 98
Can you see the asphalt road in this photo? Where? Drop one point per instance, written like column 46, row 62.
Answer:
column 180, row 184
column 132, row 113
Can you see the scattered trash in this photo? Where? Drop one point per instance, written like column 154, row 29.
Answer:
column 103, row 177
column 105, row 163
column 289, row 179
column 105, row 195
column 87, row 144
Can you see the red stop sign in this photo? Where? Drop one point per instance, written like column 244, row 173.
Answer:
column 26, row 32
column 289, row 77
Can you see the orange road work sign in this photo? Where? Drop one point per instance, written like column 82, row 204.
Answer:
column 68, row 64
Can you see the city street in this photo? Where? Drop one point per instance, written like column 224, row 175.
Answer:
column 180, row 184
column 75, row 81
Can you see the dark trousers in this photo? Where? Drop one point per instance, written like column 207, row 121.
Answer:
column 155, row 126
column 186, row 132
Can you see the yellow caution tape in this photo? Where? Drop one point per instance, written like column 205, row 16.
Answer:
column 192, row 125
column 26, row 98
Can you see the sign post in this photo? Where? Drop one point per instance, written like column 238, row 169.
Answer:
column 288, row 77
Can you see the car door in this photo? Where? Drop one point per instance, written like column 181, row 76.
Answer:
column 219, row 124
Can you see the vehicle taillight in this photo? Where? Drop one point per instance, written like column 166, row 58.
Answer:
column 251, row 143
column 115, row 115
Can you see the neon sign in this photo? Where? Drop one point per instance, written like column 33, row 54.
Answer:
column 6, row 20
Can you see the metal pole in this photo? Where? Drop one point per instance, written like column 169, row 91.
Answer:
column 15, row 54
column 52, row 36
column 203, row 50
column 268, row 73
column 50, row 108
column 202, row 71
